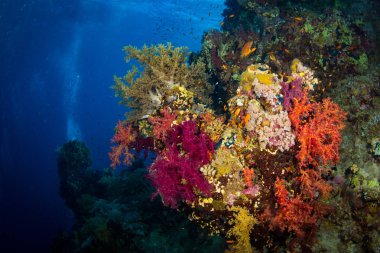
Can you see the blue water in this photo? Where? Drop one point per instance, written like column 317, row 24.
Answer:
column 57, row 61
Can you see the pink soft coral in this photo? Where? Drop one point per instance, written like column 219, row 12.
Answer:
column 177, row 179
column 175, row 173
column 194, row 143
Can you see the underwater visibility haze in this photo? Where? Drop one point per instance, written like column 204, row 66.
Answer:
column 190, row 126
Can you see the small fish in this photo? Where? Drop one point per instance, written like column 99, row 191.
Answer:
column 221, row 23
column 225, row 108
column 287, row 51
column 247, row 118
column 298, row 19
column 352, row 47
column 247, row 50
column 271, row 55
column 231, row 16
column 224, row 66
column 230, row 241
column 237, row 112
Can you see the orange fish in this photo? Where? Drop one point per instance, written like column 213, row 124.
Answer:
column 224, row 66
column 237, row 112
column 271, row 56
column 247, row 50
column 247, row 118
column 298, row 19
column 230, row 241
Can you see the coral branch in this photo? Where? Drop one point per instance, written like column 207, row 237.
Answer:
column 318, row 127
column 123, row 138
column 164, row 67
column 161, row 125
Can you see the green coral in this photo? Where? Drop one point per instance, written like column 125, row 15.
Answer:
column 163, row 68
column 375, row 146
column 333, row 30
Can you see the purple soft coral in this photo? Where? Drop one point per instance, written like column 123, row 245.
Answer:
column 175, row 173
column 291, row 91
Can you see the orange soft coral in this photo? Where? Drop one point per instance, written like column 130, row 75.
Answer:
column 123, row 138
column 293, row 214
column 300, row 111
column 248, row 176
column 312, row 185
column 162, row 124
column 318, row 127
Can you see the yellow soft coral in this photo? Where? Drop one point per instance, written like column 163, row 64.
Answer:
column 164, row 69
column 264, row 78
column 261, row 72
column 243, row 223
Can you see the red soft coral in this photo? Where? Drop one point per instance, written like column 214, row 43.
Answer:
column 124, row 136
column 318, row 128
column 162, row 124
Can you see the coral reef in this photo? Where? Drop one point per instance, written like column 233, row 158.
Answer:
column 268, row 138
column 265, row 166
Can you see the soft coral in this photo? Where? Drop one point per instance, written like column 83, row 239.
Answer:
column 293, row 214
column 175, row 173
column 193, row 143
column 318, row 127
column 162, row 124
column 124, row 136
column 176, row 179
